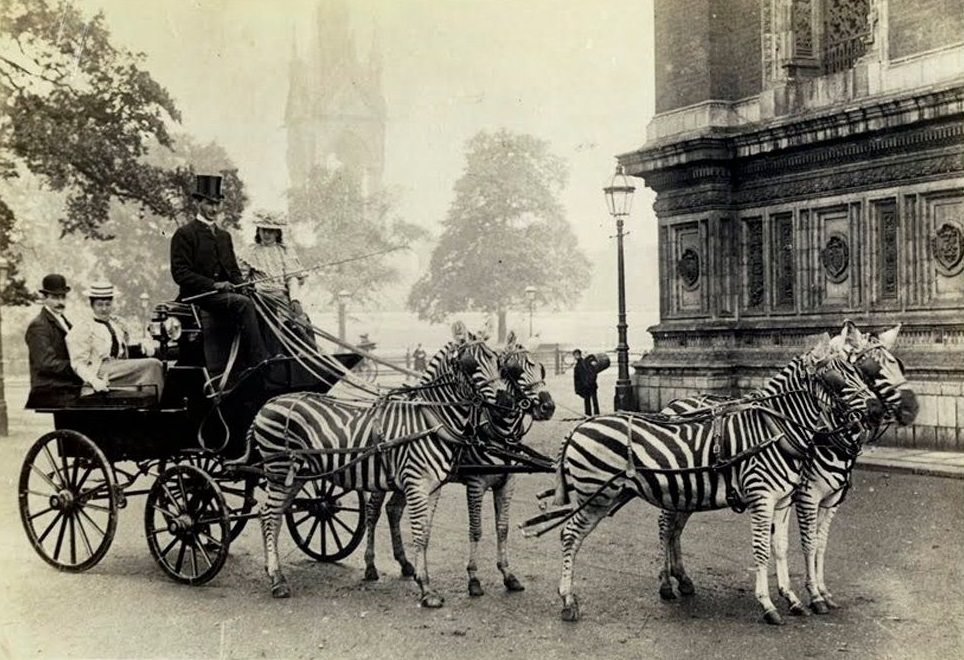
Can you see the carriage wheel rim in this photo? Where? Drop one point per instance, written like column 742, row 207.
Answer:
column 325, row 522
column 68, row 500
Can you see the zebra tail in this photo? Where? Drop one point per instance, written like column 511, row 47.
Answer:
column 562, row 485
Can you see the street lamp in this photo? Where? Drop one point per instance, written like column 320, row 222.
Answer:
column 619, row 197
column 343, row 297
column 4, row 426
column 531, row 297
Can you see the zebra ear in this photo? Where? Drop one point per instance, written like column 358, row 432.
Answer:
column 510, row 339
column 459, row 332
column 889, row 338
column 822, row 350
column 850, row 338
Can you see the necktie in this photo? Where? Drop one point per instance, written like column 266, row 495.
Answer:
column 66, row 322
column 114, row 344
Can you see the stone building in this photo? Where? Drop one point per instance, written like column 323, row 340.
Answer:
column 335, row 114
column 808, row 161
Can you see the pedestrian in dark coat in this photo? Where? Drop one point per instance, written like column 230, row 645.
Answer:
column 52, row 380
column 584, row 381
column 203, row 262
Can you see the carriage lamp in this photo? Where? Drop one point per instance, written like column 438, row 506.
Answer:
column 619, row 197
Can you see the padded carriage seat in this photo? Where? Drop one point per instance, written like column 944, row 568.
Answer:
column 85, row 397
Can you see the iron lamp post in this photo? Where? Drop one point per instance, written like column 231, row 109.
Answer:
column 531, row 297
column 619, row 197
column 343, row 297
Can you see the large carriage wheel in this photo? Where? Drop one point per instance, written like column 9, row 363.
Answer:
column 186, row 524
column 326, row 521
column 68, row 500
column 238, row 491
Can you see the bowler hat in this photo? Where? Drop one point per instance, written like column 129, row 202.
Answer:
column 100, row 290
column 207, row 186
column 54, row 283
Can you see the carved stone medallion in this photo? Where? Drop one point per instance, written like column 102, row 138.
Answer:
column 948, row 246
column 688, row 268
column 836, row 258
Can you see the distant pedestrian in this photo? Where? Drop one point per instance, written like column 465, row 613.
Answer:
column 419, row 357
column 584, row 381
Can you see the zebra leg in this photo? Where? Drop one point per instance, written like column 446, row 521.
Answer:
column 824, row 518
column 671, row 524
column 807, row 512
column 474, row 493
column 781, row 534
column 373, row 511
column 422, row 497
column 277, row 499
column 573, row 534
column 395, row 509
column 502, row 498
column 761, row 516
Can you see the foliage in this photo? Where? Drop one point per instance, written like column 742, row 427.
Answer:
column 504, row 231
column 331, row 208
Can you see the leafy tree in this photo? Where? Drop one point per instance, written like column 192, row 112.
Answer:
column 79, row 114
column 504, row 231
column 331, row 207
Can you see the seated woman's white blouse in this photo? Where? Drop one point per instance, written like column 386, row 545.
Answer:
column 275, row 261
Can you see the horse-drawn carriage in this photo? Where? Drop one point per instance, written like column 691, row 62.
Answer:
column 190, row 446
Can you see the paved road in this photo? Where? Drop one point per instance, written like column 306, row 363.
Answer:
column 894, row 565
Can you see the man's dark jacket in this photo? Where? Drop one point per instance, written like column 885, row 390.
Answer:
column 52, row 380
column 200, row 257
column 584, row 378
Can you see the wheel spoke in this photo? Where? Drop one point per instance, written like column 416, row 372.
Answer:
column 311, row 533
column 334, row 535
column 41, row 512
column 53, row 464
column 92, row 522
column 73, row 538
column 163, row 553
column 42, row 537
column 194, row 560
column 171, row 498
column 60, row 536
column 344, row 526
column 83, row 535
column 298, row 522
column 180, row 557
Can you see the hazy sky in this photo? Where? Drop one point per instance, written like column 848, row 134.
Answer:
column 577, row 73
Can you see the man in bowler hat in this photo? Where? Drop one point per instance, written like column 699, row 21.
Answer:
column 52, row 380
column 203, row 262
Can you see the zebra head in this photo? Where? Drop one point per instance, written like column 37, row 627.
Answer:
column 881, row 370
column 840, row 384
column 475, row 368
column 527, row 379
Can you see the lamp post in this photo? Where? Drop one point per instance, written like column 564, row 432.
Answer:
column 343, row 297
column 4, row 425
column 619, row 197
column 531, row 297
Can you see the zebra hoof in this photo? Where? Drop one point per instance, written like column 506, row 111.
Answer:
column 773, row 618
column 475, row 587
column 831, row 603
column 512, row 584
column 371, row 574
column 570, row 611
column 280, row 589
column 819, row 607
column 433, row 601
column 408, row 571
column 797, row 609
column 666, row 592
column 686, row 587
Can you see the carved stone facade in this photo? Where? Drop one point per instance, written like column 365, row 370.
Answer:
column 836, row 192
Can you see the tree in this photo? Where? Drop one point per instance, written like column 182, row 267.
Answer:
column 504, row 231
column 79, row 114
column 331, row 207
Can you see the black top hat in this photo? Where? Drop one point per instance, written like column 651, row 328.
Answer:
column 207, row 186
column 54, row 284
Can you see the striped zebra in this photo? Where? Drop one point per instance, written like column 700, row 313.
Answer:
column 526, row 378
column 746, row 457
column 409, row 442
column 826, row 474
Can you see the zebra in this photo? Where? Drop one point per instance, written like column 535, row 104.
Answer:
column 826, row 475
column 409, row 442
column 747, row 457
column 527, row 378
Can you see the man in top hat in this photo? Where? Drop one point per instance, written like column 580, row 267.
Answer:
column 203, row 262
column 102, row 354
column 51, row 378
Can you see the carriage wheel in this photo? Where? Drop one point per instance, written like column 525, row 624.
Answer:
column 326, row 521
column 238, row 492
column 68, row 500
column 186, row 524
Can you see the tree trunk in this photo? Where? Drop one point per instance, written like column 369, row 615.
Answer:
column 501, row 337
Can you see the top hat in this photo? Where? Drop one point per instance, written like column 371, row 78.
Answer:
column 54, row 283
column 269, row 220
column 207, row 186
column 100, row 290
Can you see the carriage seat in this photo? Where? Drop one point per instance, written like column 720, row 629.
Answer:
column 85, row 397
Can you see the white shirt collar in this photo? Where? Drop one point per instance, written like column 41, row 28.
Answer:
column 60, row 318
column 203, row 220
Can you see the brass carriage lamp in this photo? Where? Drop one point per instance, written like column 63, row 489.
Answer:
column 619, row 197
column 531, row 297
column 343, row 298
